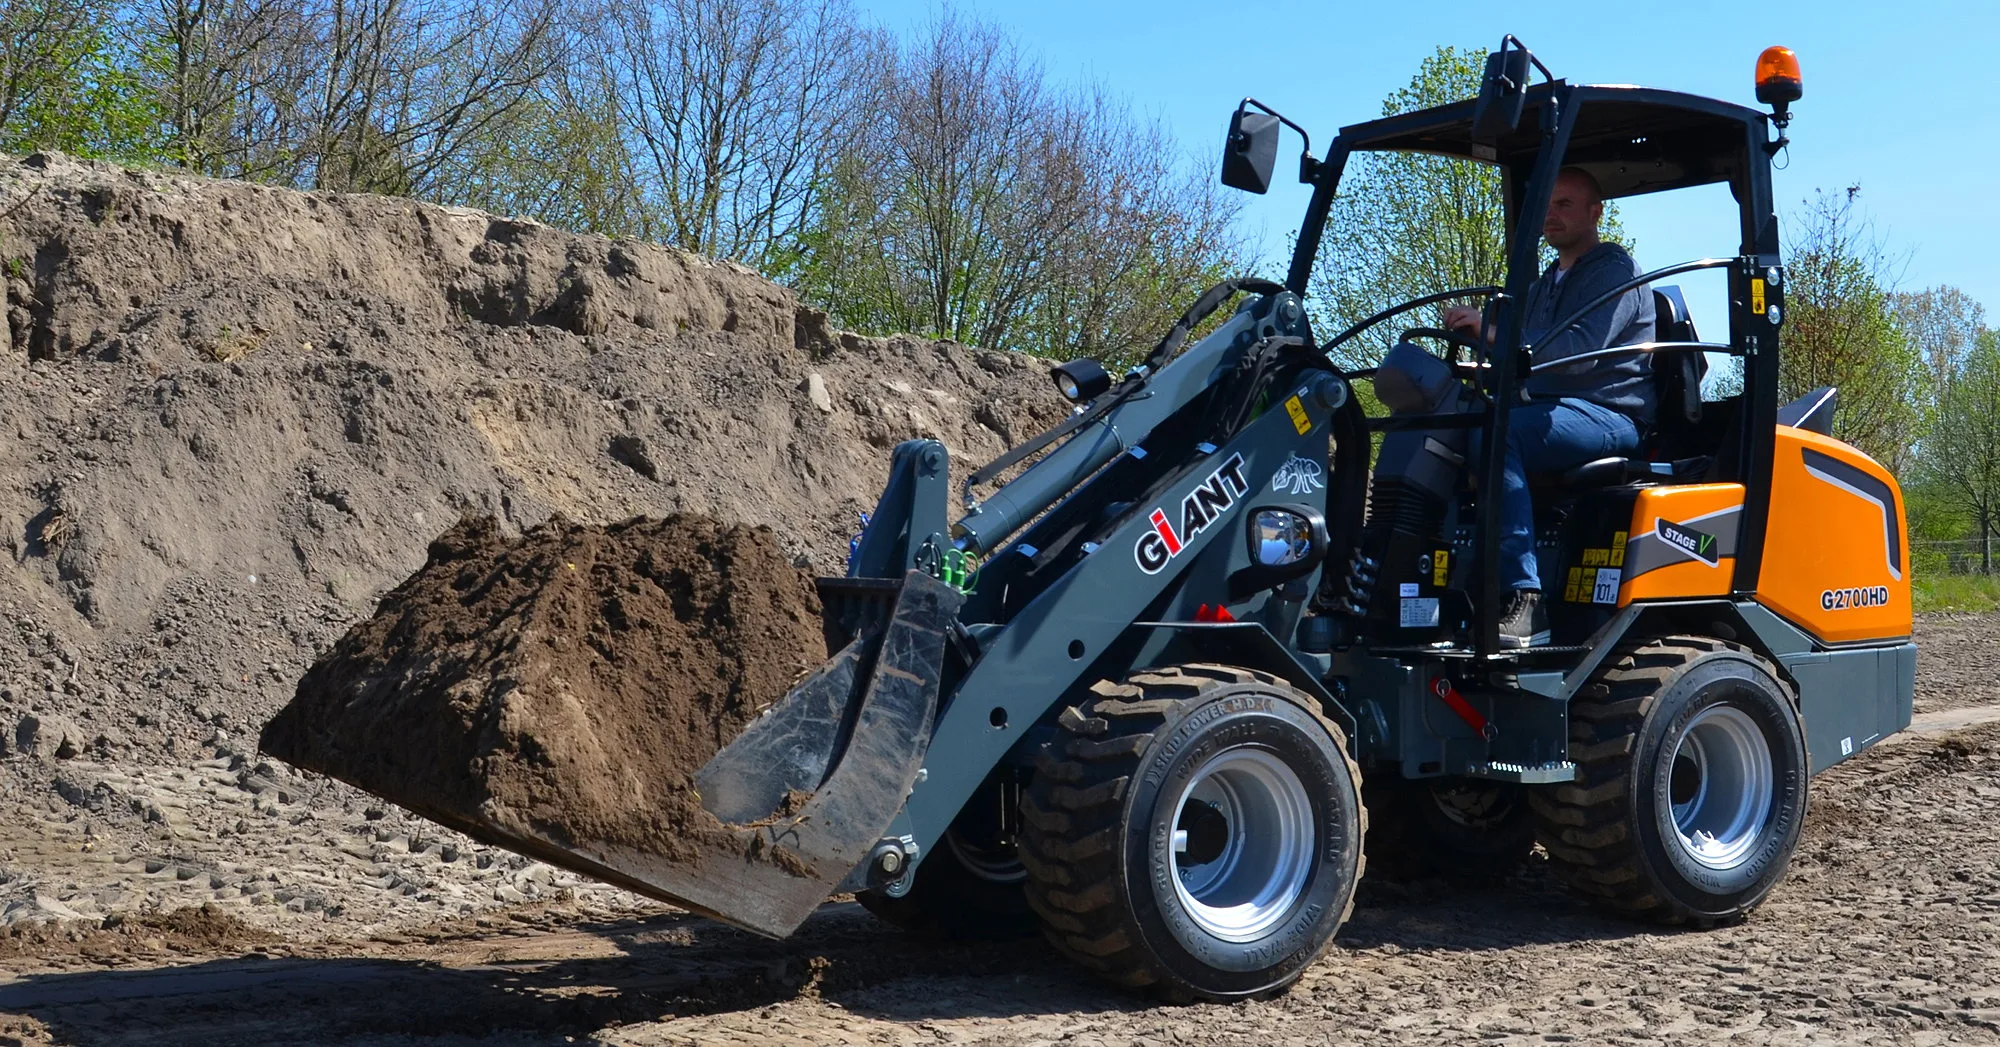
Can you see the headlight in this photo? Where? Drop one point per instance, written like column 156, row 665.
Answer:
column 1279, row 537
column 1081, row 380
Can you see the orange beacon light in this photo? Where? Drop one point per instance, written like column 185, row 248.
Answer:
column 1778, row 82
column 1778, row 86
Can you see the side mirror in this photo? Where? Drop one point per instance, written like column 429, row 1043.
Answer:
column 1251, row 153
column 1503, row 94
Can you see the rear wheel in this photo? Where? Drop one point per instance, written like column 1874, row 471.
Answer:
column 1196, row 831
column 1691, row 784
column 1452, row 828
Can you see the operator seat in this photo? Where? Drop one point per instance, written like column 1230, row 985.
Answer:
column 1674, row 447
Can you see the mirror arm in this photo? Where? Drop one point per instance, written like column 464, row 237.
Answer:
column 1510, row 38
column 1308, row 165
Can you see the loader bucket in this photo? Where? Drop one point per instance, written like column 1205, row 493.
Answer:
column 852, row 733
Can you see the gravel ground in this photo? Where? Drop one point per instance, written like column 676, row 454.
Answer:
column 1958, row 661
column 1885, row 932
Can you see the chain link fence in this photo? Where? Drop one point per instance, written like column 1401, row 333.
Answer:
column 1956, row 555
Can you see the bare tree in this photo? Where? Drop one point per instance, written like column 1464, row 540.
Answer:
column 736, row 109
column 1941, row 323
column 1840, row 330
column 228, row 80
column 1145, row 235
column 987, row 206
column 408, row 82
column 939, row 205
column 562, row 157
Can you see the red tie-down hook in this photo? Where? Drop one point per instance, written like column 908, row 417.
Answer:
column 1444, row 690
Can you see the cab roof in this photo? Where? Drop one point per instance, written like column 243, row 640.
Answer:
column 1632, row 139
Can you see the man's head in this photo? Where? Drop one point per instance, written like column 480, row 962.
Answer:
column 1575, row 208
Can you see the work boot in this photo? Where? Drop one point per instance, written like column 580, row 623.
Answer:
column 1525, row 624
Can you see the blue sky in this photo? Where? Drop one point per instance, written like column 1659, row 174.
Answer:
column 1889, row 104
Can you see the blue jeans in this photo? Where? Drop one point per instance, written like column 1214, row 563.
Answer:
column 1550, row 436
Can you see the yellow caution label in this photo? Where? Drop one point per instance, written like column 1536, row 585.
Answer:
column 1441, row 567
column 1575, row 583
column 1304, row 424
column 1618, row 549
column 1596, row 557
column 1757, row 295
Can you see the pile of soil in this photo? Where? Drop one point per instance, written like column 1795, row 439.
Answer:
column 232, row 417
column 568, row 683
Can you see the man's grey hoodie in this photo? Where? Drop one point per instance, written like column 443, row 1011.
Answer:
column 1622, row 383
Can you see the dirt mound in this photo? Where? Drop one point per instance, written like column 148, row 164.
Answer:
column 570, row 682
column 232, row 417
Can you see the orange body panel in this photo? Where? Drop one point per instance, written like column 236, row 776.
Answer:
column 1682, row 542
column 1836, row 554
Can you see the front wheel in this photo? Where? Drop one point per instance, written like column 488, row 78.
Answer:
column 1196, row 831
column 1691, row 784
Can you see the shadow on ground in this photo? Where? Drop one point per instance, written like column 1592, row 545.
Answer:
column 676, row 965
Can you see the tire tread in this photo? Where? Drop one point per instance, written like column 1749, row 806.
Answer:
column 1584, row 824
column 1069, row 842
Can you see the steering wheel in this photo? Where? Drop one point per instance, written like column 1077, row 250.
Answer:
column 1457, row 339
column 1403, row 307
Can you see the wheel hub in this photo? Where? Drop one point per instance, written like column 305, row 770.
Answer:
column 1201, row 835
column 1243, row 844
column 1722, row 787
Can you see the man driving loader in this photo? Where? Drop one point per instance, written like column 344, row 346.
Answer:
column 1578, row 413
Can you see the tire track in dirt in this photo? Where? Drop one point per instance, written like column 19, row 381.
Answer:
column 1887, row 931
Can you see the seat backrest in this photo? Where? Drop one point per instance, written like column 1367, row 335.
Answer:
column 1677, row 375
column 1812, row 411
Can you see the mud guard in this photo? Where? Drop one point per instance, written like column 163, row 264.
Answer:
column 1246, row 645
column 854, row 733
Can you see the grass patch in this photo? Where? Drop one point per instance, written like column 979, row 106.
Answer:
column 1955, row 592
column 228, row 346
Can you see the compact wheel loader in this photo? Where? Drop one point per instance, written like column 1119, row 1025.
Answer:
column 1130, row 696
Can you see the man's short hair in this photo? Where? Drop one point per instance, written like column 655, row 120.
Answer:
column 1596, row 188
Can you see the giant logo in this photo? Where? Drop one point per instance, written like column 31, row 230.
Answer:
column 1203, row 506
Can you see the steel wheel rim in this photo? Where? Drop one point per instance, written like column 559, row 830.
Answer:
column 1239, row 882
column 1721, row 787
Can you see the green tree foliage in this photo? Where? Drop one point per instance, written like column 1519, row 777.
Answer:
column 1959, row 460
column 68, row 83
column 1841, row 330
column 1411, row 224
column 559, row 159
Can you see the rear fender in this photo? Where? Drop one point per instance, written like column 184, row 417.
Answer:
column 1849, row 697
